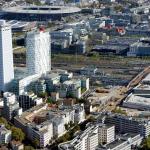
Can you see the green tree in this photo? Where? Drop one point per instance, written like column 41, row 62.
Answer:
column 28, row 148
column 36, row 143
column 76, row 128
column 82, row 101
column 91, row 119
column 118, row 8
column 4, row 121
column 66, row 126
column 119, row 111
column 50, row 101
column 43, row 95
column 71, row 124
column 146, row 144
column 83, row 90
column 17, row 134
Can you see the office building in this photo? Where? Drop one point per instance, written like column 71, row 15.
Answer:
column 29, row 100
column 38, row 52
column 6, row 56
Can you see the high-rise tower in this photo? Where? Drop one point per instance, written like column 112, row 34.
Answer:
column 38, row 52
column 6, row 56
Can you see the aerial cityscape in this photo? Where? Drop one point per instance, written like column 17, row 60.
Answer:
column 74, row 74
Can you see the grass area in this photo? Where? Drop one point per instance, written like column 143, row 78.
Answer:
column 69, row 57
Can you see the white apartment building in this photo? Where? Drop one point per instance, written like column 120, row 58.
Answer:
column 106, row 134
column 123, row 142
column 5, row 135
column 59, row 119
column 87, row 140
column 79, row 113
column 6, row 56
column 38, row 52
column 43, row 133
column 58, row 127
column 11, row 106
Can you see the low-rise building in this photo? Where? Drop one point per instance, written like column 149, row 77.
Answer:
column 140, row 48
column 66, row 34
column 124, row 142
column 16, row 145
column 88, row 71
column 5, row 135
column 137, row 102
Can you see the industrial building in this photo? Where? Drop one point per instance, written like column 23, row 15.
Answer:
column 137, row 102
column 111, row 49
column 140, row 48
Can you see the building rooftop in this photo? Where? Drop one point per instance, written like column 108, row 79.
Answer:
column 143, row 87
column 70, row 144
column 41, row 111
column 115, row 143
column 134, row 99
column 147, row 78
column 110, row 48
column 52, row 75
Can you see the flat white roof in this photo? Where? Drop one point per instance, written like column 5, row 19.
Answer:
column 142, row 87
column 147, row 78
column 138, row 100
